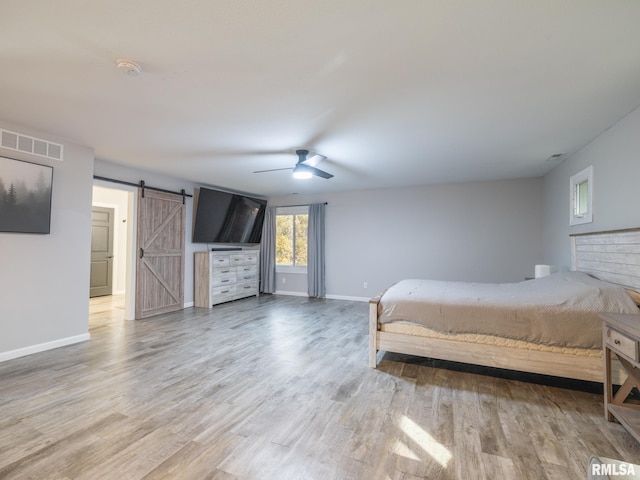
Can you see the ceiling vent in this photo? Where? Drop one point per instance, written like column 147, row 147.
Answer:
column 34, row 146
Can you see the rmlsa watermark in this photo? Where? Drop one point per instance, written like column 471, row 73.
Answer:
column 613, row 469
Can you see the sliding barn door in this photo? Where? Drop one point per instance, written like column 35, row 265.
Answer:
column 160, row 264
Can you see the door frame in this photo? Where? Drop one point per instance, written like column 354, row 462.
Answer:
column 132, row 229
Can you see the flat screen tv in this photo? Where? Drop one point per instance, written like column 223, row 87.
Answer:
column 223, row 217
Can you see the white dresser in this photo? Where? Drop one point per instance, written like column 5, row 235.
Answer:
column 222, row 276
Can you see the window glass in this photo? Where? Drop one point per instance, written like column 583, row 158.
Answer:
column 582, row 197
column 291, row 239
column 284, row 239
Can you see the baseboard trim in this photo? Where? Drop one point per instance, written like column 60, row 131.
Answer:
column 345, row 297
column 42, row 347
column 188, row 304
column 292, row 294
column 330, row 297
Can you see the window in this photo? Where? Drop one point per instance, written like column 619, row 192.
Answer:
column 291, row 239
column 582, row 197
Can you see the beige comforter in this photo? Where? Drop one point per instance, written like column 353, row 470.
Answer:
column 560, row 309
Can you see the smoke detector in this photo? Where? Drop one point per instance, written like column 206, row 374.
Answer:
column 130, row 68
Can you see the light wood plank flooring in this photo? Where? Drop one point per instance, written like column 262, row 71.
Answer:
column 279, row 388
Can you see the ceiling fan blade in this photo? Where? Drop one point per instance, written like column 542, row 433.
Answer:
column 319, row 173
column 304, row 164
column 314, row 160
column 272, row 170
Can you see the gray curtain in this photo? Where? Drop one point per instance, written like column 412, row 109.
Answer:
column 268, row 252
column 315, row 252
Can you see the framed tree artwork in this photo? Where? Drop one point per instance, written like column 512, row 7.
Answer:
column 25, row 196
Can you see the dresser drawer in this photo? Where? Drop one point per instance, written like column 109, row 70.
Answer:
column 237, row 259
column 246, row 278
column 223, row 271
column 247, row 269
column 247, row 289
column 223, row 291
column 619, row 342
column 251, row 258
column 217, row 261
column 223, row 280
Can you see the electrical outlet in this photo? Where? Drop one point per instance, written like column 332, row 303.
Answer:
column 284, row 279
column 364, row 285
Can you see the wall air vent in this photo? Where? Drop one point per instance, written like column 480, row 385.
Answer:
column 34, row 146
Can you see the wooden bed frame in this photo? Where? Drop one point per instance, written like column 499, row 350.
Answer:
column 613, row 256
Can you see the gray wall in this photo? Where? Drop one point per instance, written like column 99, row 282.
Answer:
column 615, row 156
column 477, row 231
column 44, row 279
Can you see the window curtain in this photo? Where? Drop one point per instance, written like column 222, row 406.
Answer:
column 268, row 252
column 315, row 252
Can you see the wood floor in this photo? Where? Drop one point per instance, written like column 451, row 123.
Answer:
column 279, row 388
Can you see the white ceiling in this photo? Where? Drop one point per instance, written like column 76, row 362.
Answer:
column 396, row 94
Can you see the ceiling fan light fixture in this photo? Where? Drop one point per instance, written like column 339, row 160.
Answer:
column 301, row 173
column 305, row 168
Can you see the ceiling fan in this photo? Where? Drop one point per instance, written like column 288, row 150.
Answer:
column 305, row 168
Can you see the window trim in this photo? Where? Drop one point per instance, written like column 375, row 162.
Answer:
column 575, row 181
column 297, row 210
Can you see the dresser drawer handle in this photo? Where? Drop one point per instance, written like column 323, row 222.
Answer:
column 226, row 280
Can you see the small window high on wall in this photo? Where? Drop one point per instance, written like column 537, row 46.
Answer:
column 582, row 197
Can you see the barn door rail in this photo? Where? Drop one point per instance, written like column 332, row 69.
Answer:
column 143, row 186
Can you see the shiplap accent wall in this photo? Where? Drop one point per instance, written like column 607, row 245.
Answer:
column 611, row 256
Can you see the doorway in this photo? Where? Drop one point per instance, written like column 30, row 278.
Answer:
column 122, row 201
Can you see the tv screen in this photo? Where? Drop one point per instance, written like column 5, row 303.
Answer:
column 223, row 217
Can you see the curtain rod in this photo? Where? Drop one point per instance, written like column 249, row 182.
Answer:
column 141, row 185
column 301, row 205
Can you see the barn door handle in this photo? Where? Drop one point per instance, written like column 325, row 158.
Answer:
column 141, row 253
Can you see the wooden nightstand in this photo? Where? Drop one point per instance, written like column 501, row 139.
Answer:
column 621, row 335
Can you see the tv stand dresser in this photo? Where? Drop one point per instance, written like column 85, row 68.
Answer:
column 225, row 275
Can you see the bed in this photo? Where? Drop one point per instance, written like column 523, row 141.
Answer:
column 549, row 325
